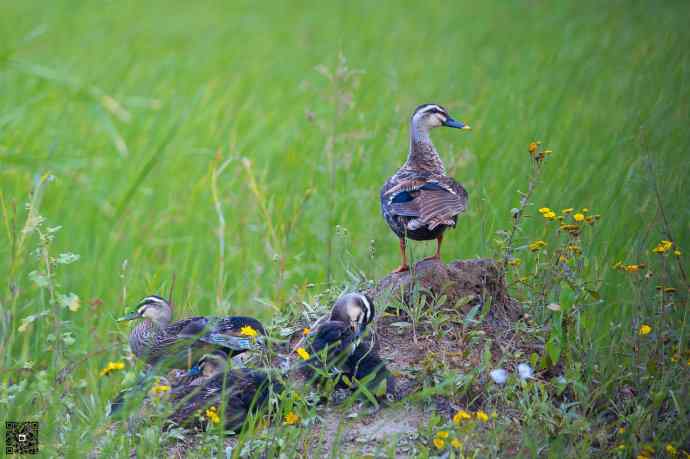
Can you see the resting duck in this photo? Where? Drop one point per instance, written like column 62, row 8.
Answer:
column 346, row 353
column 179, row 344
column 240, row 390
column 420, row 201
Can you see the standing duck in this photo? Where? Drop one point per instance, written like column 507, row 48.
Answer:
column 156, row 339
column 420, row 201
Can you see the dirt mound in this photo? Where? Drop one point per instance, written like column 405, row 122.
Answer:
column 464, row 283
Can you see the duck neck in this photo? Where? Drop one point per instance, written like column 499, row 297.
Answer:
column 422, row 155
column 143, row 335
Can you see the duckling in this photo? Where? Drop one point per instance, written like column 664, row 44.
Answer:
column 345, row 352
column 178, row 344
column 241, row 390
column 420, row 201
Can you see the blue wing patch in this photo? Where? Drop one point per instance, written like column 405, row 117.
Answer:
column 433, row 186
column 232, row 342
column 194, row 371
column 403, row 196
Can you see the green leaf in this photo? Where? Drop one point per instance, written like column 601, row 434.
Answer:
column 367, row 393
column 40, row 279
column 69, row 301
column 553, row 348
column 67, row 258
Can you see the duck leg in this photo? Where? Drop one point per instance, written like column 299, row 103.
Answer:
column 403, row 267
column 437, row 255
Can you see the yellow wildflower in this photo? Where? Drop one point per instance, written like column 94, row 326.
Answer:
column 670, row 449
column 669, row 290
column 647, row 450
column 544, row 210
column 631, row 268
column 439, row 443
column 533, row 148
column 442, row 434
column 482, row 416
column 515, row 262
column 584, row 210
column 212, row 415
column 568, row 210
column 571, row 228
column 303, row 353
column 645, row 330
column 578, row 217
column 621, row 430
column 455, row 443
column 675, row 358
column 460, row 416
column 663, row 247
column 575, row 249
column 536, row 245
column 306, row 331
column 291, row 418
column 551, row 215
column 248, row 330
column 677, row 253
column 112, row 366
column 160, row 389
column 620, row 447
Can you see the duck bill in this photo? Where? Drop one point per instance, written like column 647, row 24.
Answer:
column 356, row 329
column 130, row 316
column 194, row 371
column 450, row 122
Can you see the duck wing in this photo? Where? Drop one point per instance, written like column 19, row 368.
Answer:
column 175, row 338
column 435, row 200
column 227, row 332
column 242, row 390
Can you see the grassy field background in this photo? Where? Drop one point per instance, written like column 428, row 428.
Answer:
column 131, row 108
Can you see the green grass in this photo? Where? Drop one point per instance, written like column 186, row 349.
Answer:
column 132, row 106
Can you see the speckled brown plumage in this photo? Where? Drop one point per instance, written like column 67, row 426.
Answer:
column 420, row 201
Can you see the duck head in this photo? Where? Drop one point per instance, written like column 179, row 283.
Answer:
column 429, row 116
column 154, row 308
column 354, row 309
column 210, row 364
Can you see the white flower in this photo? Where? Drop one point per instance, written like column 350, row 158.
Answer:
column 499, row 375
column 525, row 371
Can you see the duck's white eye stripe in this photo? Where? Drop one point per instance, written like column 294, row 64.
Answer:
column 433, row 108
column 154, row 299
column 365, row 301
